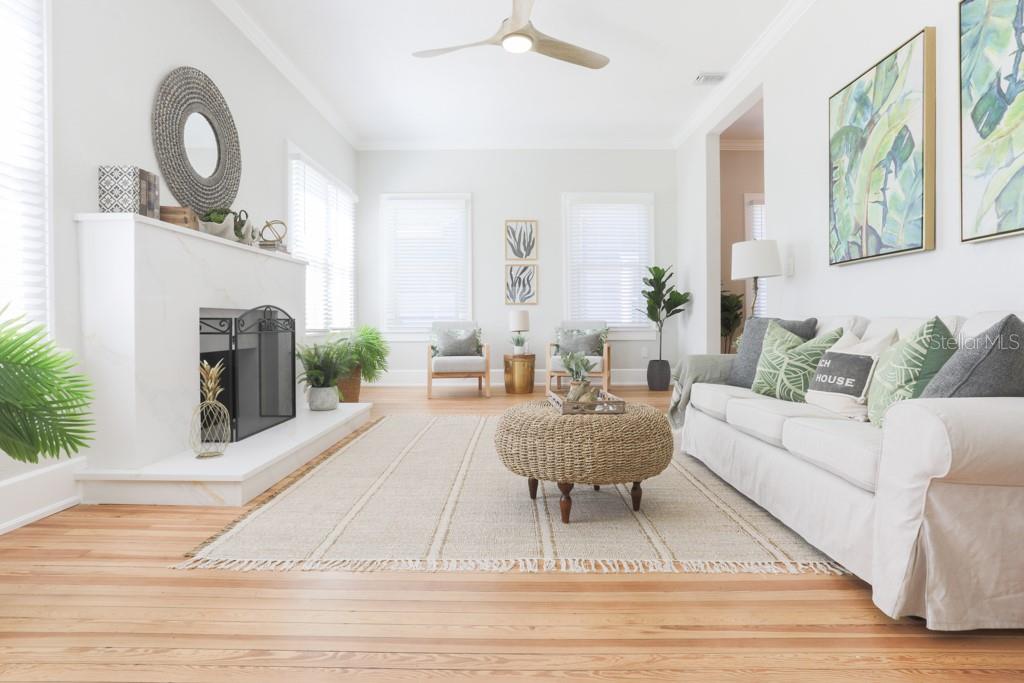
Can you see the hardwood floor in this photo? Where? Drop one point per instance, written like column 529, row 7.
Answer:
column 87, row 595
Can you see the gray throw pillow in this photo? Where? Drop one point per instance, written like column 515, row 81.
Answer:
column 991, row 364
column 457, row 343
column 588, row 342
column 744, row 367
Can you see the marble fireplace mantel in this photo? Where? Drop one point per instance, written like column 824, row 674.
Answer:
column 143, row 284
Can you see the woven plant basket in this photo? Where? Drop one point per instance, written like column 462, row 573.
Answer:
column 349, row 386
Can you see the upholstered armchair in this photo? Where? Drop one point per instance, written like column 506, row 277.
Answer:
column 602, row 362
column 456, row 352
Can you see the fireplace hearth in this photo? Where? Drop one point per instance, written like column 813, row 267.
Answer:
column 258, row 350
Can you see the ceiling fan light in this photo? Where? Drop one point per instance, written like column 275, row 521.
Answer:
column 517, row 43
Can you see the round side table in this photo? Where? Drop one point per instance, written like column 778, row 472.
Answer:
column 519, row 373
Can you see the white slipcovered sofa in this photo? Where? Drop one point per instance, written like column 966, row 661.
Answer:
column 928, row 509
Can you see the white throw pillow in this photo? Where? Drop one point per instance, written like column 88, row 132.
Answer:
column 841, row 380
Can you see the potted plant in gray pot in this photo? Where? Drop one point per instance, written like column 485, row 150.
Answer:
column 322, row 365
column 663, row 302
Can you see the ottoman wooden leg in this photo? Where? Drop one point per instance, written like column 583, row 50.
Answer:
column 597, row 487
column 635, row 494
column 532, row 483
column 566, row 502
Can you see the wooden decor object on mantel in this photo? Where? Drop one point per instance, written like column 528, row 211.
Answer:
column 179, row 215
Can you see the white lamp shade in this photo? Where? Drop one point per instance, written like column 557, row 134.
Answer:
column 519, row 320
column 755, row 258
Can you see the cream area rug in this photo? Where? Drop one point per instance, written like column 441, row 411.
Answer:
column 429, row 493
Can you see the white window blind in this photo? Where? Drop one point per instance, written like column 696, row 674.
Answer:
column 427, row 260
column 757, row 229
column 609, row 241
column 24, row 160
column 322, row 231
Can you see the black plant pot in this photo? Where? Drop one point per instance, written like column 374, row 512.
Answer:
column 659, row 374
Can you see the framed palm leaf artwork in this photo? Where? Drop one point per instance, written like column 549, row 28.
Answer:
column 520, row 240
column 991, row 118
column 882, row 157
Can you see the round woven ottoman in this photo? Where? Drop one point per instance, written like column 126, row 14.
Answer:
column 534, row 441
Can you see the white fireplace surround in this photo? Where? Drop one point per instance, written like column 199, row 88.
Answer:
column 143, row 285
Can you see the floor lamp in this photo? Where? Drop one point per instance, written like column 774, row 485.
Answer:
column 755, row 259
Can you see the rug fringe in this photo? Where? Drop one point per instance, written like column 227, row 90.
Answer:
column 524, row 565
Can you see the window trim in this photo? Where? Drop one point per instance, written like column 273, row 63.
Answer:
column 645, row 332
column 384, row 259
column 294, row 152
column 750, row 199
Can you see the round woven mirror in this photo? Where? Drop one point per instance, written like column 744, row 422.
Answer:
column 195, row 141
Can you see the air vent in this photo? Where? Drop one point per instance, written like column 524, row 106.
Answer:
column 710, row 77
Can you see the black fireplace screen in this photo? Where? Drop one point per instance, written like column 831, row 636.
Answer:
column 258, row 350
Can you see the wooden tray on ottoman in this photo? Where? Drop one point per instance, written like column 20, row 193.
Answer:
column 606, row 404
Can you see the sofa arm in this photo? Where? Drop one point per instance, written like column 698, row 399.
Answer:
column 707, row 368
column 949, row 508
column 956, row 440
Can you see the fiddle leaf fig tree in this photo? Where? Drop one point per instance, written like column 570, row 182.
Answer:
column 663, row 299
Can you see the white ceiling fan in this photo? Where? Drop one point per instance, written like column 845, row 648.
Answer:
column 517, row 34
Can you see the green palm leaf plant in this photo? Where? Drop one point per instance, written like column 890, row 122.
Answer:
column 663, row 299
column 370, row 352
column 732, row 317
column 43, row 402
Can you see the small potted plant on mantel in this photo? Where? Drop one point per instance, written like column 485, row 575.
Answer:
column 663, row 302
column 322, row 365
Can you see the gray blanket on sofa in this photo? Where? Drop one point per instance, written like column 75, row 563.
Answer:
column 710, row 368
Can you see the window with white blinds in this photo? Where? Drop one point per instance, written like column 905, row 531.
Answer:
column 24, row 160
column 322, row 231
column 427, row 272
column 609, row 245
column 757, row 229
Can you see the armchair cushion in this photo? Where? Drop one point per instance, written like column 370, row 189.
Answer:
column 558, row 366
column 457, row 341
column 458, row 363
column 589, row 341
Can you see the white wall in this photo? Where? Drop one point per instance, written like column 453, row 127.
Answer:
column 832, row 43
column 511, row 184
column 109, row 57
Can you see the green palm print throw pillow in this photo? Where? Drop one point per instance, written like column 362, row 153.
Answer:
column 906, row 367
column 787, row 362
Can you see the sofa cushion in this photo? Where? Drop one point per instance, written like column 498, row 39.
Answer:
column 743, row 369
column 851, row 324
column 906, row 368
column 764, row 419
column 905, row 327
column 711, row 399
column 458, row 363
column 847, row 449
column 980, row 322
column 841, row 380
column 988, row 364
column 788, row 362
column 558, row 366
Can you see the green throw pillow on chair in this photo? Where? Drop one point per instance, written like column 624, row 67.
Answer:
column 906, row 367
column 787, row 362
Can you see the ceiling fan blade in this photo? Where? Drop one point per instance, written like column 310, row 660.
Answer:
column 521, row 11
column 445, row 50
column 567, row 52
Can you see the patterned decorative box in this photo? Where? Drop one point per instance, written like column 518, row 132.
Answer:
column 129, row 189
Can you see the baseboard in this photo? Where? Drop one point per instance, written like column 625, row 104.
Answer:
column 418, row 378
column 39, row 493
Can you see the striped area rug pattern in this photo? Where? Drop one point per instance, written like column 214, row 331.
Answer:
column 428, row 493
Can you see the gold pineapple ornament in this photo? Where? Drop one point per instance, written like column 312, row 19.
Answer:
column 210, row 428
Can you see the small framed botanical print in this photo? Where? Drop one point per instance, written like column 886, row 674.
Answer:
column 521, row 240
column 521, row 283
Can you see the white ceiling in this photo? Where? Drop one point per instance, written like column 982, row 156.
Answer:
column 356, row 54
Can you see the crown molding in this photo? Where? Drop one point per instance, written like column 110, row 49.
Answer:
column 249, row 28
column 741, row 145
column 769, row 38
column 539, row 144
